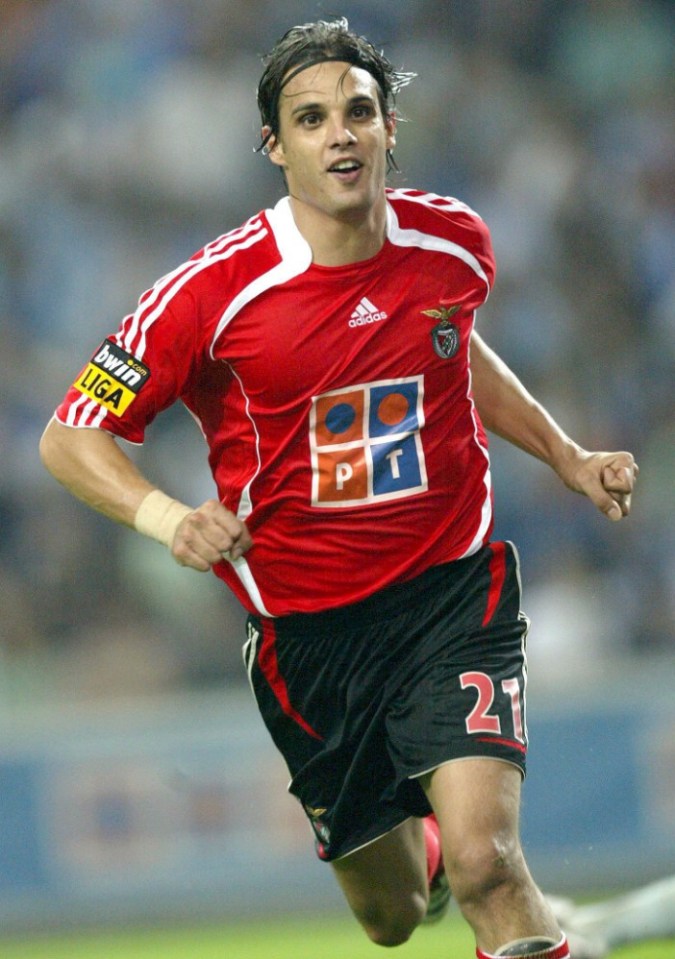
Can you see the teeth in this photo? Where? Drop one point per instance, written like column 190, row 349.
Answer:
column 345, row 165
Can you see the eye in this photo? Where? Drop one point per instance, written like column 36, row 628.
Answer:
column 310, row 120
column 362, row 111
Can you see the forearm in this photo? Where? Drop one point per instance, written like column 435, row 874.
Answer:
column 91, row 465
column 507, row 409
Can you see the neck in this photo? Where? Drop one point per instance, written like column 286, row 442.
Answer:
column 340, row 240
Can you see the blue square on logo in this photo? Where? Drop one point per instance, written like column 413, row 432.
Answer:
column 396, row 466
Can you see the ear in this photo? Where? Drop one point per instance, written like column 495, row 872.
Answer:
column 273, row 148
column 390, row 126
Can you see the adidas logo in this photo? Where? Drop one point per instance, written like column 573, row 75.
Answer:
column 366, row 313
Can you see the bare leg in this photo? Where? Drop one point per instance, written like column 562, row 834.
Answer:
column 477, row 802
column 385, row 884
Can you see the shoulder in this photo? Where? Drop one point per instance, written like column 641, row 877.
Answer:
column 196, row 293
column 449, row 221
column 417, row 209
column 247, row 248
column 215, row 274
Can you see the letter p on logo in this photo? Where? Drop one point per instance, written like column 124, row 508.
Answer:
column 343, row 472
column 342, row 476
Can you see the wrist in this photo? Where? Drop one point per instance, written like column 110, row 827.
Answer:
column 567, row 461
column 159, row 516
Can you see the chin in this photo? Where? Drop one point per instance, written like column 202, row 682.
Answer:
column 355, row 203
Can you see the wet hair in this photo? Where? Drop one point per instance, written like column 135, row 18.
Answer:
column 311, row 43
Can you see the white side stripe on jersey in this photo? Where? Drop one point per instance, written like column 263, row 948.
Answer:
column 245, row 505
column 243, row 571
column 486, row 511
column 296, row 257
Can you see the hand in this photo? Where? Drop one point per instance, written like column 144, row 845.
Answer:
column 209, row 534
column 608, row 479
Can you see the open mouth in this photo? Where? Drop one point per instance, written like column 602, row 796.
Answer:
column 345, row 167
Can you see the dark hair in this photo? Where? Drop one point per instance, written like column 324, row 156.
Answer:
column 310, row 43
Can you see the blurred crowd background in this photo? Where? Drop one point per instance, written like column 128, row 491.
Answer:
column 127, row 136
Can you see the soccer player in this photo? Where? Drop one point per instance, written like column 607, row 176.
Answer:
column 327, row 350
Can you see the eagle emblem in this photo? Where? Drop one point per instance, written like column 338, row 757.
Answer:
column 445, row 335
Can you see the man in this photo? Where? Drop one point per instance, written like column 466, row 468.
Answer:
column 327, row 350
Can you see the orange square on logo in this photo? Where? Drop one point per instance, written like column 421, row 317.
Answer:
column 343, row 475
column 339, row 418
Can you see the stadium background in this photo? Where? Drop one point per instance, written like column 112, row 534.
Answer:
column 135, row 780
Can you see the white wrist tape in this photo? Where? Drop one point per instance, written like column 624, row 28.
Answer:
column 158, row 516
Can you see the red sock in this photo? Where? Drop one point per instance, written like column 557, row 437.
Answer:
column 432, row 841
column 559, row 951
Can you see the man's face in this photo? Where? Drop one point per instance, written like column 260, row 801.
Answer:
column 333, row 139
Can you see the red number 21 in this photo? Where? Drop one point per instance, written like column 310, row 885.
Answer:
column 479, row 719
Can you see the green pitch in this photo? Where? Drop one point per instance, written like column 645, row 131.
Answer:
column 333, row 938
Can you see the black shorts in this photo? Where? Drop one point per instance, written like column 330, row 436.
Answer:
column 363, row 699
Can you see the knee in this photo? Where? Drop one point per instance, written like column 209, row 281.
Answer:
column 480, row 868
column 388, row 923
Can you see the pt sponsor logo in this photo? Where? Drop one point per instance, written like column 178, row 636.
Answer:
column 366, row 445
column 112, row 378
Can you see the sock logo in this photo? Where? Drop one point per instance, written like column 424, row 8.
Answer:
column 366, row 445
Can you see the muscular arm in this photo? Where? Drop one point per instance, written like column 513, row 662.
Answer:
column 507, row 409
column 91, row 465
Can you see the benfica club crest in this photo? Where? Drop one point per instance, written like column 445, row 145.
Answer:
column 445, row 335
column 320, row 828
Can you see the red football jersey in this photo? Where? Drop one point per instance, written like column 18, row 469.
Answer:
column 336, row 401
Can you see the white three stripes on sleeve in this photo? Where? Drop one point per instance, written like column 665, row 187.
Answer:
column 132, row 335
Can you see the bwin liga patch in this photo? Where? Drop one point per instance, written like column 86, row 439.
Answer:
column 112, row 378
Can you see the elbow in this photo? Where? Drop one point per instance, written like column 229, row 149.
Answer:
column 45, row 447
column 49, row 448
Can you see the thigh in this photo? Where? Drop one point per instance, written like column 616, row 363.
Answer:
column 477, row 804
column 388, row 876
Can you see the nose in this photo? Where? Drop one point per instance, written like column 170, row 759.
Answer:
column 339, row 133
